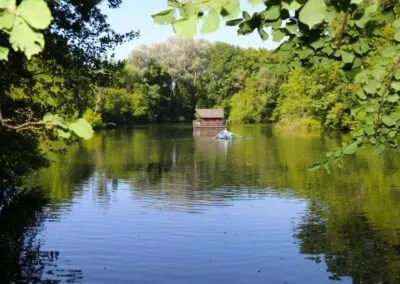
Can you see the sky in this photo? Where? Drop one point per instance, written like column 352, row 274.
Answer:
column 136, row 15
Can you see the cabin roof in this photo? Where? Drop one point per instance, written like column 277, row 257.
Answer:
column 210, row 113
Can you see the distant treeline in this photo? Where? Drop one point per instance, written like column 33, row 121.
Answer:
column 165, row 82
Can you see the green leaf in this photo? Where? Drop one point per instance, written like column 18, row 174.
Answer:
column 395, row 85
column 393, row 98
column 372, row 87
column 314, row 168
column 63, row 134
column 367, row 16
column 54, row 120
column 303, row 54
column 36, row 13
column 351, row 149
column 347, row 57
column 379, row 149
column 272, row 13
column 4, row 53
column 318, row 43
column 388, row 121
column 6, row 20
column 397, row 36
column 291, row 27
column 369, row 130
column 278, row 35
column 361, row 96
column 24, row 38
column 389, row 52
column 211, row 22
column 9, row 5
column 397, row 74
column 231, row 9
column 293, row 6
column 357, row 2
column 234, row 22
column 82, row 128
column 246, row 16
column 245, row 28
column 379, row 73
column 263, row 33
column 165, row 17
column 395, row 116
column 186, row 28
column 313, row 13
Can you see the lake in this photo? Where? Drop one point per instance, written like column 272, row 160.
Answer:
column 164, row 204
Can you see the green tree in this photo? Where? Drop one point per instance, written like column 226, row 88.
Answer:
column 255, row 101
column 319, row 97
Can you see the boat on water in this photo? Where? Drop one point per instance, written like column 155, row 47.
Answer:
column 225, row 135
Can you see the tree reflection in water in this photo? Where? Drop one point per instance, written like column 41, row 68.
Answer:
column 349, row 246
column 21, row 256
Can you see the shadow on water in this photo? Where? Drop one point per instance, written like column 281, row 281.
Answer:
column 349, row 223
column 21, row 256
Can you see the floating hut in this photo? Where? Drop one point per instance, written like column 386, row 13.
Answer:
column 209, row 118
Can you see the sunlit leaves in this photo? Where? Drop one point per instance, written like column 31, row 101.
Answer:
column 395, row 85
column 35, row 13
column 351, row 149
column 313, row 13
column 3, row 53
column 347, row 57
column 165, row 17
column 24, row 38
column 292, row 6
column 186, row 28
column 263, row 34
column 397, row 36
column 272, row 13
column 372, row 87
column 23, row 24
column 82, row 128
column 278, row 35
column 211, row 22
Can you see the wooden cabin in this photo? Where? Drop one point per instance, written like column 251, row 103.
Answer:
column 209, row 118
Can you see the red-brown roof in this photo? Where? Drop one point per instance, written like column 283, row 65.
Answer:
column 210, row 113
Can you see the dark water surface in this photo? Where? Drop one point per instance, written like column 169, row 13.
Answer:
column 161, row 205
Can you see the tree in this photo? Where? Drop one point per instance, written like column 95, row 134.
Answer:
column 319, row 32
column 71, row 64
column 185, row 61
column 320, row 97
column 255, row 101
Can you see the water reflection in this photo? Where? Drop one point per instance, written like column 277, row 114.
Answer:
column 350, row 221
column 22, row 258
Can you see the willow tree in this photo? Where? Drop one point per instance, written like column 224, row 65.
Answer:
column 362, row 35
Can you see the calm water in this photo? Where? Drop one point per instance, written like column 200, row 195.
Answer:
column 162, row 205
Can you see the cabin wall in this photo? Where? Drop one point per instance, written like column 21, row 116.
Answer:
column 209, row 122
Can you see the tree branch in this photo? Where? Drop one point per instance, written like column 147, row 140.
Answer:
column 20, row 127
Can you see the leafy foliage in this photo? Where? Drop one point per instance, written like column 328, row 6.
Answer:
column 23, row 24
column 320, row 93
